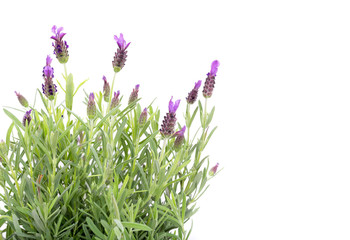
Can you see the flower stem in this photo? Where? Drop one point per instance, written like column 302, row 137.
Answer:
column 188, row 124
column 110, row 94
column 65, row 70
column 205, row 113
column 90, row 137
column 165, row 141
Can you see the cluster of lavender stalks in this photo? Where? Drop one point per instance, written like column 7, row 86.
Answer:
column 49, row 89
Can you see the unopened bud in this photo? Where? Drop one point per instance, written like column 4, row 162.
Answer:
column 213, row 170
column 91, row 107
column 22, row 99
column 27, row 118
column 180, row 138
column 115, row 99
column 143, row 117
column 134, row 94
column 106, row 89
column 192, row 96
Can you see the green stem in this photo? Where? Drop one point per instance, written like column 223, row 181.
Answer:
column 205, row 113
column 188, row 125
column 110, row 94
column 90, row 138
column 165, row 141
column 65, row 70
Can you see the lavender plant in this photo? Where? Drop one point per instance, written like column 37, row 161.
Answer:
column 114, row 174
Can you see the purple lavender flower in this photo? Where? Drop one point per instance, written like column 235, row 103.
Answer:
column 143, row 117
column 121, row 54
column 106, row 89
column 27, row 118
column 213, row 170
column 22, row 100
column 134, row 94
column 49, row 88
column 192, row 96
column 210, row 81
column 168, row 125
column 115, row 100
column 60, row 46
column 180, row 138
column 91, row 106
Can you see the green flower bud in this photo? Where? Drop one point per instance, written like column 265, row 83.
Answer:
column 22, row 100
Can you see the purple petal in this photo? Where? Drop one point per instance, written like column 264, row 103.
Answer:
column 214, row 67
column 116, row 94
column 137, row 86
column 54, row 29
column 62, row 35
column 181, row 132
column 121, row 40
column 48, row 60
column 91, row 97
column 171, row 104
column 176, row 105
column 127, row 45
column 104, row 79
column 197, row 84
column 59, row 30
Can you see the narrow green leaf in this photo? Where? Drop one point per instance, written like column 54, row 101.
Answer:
column 93, row 227
column 137, row 226
column 81, row 84
column 14, row 119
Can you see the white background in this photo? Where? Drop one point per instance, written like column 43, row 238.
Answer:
column 282, row 96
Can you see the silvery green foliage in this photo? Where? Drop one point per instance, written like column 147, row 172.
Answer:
column 109, row 176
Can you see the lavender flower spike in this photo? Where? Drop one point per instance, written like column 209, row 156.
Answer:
column 180, row 138
column 143, row 117
column 106, row 89
column 210, row 81
column 121, row 54
column 49, row 88
column 115, row 99
column 134, row 94
column 22, row 100
column 168, row 125
column 60, row 46
column 27, row 118
column 213, row 170
column 192, row 96
column 91, row 106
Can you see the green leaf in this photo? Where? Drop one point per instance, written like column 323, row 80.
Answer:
column 69, row 92
column 14, row 119
column 93, row 227
column 137, row 226
column 193, row 116
column 210, row 117
column 81, row 84
column 61, row 86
